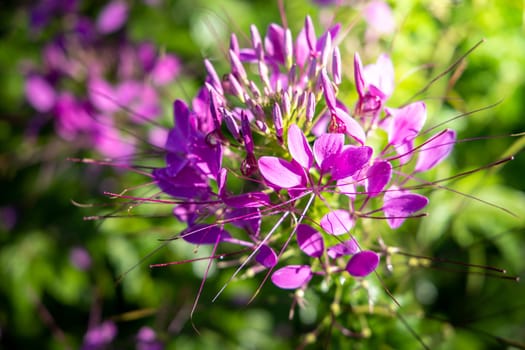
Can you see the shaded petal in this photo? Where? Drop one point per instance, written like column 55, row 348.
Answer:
column 398, row 205
column 345, row 248
column 434, row 151
column 299, row 147
column 406, row 122
column 280, row 173
column 182, row 182
column 248, row 200
column 202, row 234
column 337, row 222
column 310, row 241
column 327, row 146
column 349, row 161
column 292, row 276
column 363, row 263
column 378, row 176
column 266, row 257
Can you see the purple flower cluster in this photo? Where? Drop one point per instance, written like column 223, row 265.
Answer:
column 269, row 159
column 92, row 78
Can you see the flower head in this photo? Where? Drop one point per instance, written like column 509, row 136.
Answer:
column 310, row 178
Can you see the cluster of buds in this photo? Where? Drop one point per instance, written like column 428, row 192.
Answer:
column 269, row 159
column 92, row 77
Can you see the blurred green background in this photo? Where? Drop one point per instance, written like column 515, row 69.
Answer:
column 48, row 302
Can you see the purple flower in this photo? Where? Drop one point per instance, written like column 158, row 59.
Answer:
column 270, row 160
column 97, row 338
column 147, row 340
column 80, row 258
column 88, row 84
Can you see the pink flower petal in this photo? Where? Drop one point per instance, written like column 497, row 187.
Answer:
column 310, row 241
column 112, row 17
column 280, row 173
column 435, row 150
column 350, row 160
column 326, row 147
column 292, row 276
column 406, row 122
column 363, row 263
column 299, row 147
column 337, row 222
column 381, row 75
column 40, row 93
column 353, row 128
column 378, row 176
column 398, row 205
column 349, row 247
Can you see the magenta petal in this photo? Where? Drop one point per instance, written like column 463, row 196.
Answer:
column 299, row 147
column 326, row 147
column 406, row 122
column 378, row 176
column 112, row 17
column 398, row 205
column 201, row 234
column 353, row 128
column 266, row 257
column 292, row 276
column 363, row 263
column 434, row 151
column 345, row 248
column 280, row 173
column 337, row 222
column 40, row 93
column 349, row 161
column 310, row 241
column 248, row 200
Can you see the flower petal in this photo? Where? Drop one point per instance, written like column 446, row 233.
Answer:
column 299, row 147
column 202, row 234
column 406, row 122
column 310, row 241
column 345, row 248
column 112, row 17
column 280, row 173
column 352, row 127
column 399, row 205
column 337, row 222
column 350, row 160
column 327, row 146
column 434, row 151
column 292, row 276
column 40, row 93
column 266, row 257
column 363, row 263
column 378, row 176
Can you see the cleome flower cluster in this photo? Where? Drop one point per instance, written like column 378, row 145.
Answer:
column 270, row 160
column 90, row 69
